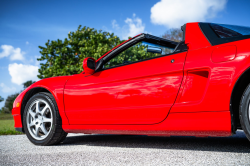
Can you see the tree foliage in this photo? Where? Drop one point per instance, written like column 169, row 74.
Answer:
column 173, row 34
column 1, row 99
column 132, row 54
column 8, row 105
column 28, row 83
column 65, row 57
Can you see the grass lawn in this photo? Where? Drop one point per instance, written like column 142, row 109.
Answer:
column 7, row 125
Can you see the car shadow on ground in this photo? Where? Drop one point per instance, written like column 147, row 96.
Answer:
column 237, row 143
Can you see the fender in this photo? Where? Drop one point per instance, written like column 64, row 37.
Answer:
column 239, row 80
column 54, row 85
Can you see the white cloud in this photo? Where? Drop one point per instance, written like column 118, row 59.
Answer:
column 135, row 26
column 7, row 49
column 115, row 25
column 17, row 54
column 27, row 43
column 6, row 89
column 20, row 73
column 13, row 53
column 174, row 14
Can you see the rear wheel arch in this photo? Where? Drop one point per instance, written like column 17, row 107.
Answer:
column 238, row 90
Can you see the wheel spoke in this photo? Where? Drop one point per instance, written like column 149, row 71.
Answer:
column 44, row 109
column 45, row 119
column 32, row 123
column 37, row 131
column 32, row 114
column 37, row 107
column 39, row 119
column 42, row 127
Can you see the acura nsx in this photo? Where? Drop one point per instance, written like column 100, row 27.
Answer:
column 148, row 85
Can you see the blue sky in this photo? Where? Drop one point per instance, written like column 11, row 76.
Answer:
column 24, row 25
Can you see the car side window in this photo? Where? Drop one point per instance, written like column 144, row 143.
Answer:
column 140, row 51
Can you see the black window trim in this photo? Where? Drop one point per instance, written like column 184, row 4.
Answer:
column 179, row 47
column 142, row 60
column 214, row 39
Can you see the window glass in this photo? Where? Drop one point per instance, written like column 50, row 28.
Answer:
column 140, row 51
column 226, row 31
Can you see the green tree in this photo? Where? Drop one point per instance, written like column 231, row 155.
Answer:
column 8, row 105
column 66, row 57
column 28, row 83
column 1, row 99
column 132, row 54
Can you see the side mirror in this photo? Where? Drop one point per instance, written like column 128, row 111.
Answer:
column 89, row 65
column 154, row 50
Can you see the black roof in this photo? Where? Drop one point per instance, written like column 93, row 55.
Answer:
column 214, row 39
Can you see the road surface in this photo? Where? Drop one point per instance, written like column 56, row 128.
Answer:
column 79, row 149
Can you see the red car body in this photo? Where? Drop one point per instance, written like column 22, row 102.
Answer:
column 196, row 94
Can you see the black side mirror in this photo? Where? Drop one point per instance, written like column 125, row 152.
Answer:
column 154, row 50
column 89, row 65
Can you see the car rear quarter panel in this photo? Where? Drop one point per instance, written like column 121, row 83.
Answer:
column 208, row 84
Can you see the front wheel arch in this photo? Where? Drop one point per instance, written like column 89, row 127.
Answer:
column 26, row 98
column 55, row 134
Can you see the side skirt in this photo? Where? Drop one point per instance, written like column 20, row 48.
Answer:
column 200, row 124
column 20, row 129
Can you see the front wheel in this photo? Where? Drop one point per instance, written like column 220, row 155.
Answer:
column 41, row 120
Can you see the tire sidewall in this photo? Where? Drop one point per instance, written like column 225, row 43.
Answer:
column 53, row 110
column 244, row 112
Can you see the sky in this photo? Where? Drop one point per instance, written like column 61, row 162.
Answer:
column 27, row 24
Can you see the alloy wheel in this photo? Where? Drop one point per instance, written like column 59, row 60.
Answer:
column 39, row 119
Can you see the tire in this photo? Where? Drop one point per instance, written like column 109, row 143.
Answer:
column 41, row 120
column 244, row 112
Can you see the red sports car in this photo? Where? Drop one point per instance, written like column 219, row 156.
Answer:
column 148, row 86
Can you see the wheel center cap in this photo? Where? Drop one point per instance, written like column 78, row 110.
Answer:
column 40, row 117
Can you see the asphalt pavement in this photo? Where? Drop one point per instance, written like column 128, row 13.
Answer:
column 80, row 149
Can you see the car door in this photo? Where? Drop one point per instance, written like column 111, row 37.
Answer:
column 141, row 92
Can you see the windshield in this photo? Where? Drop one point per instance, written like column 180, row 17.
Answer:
column 226, row 31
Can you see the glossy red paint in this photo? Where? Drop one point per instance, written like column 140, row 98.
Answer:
column 196, row 124
column 194, row 37
column 16, row 111
column 139, row 93
column 154, row 97
column 195, row 81
column 223, row 54
column 221, row 79
column 55, row 86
